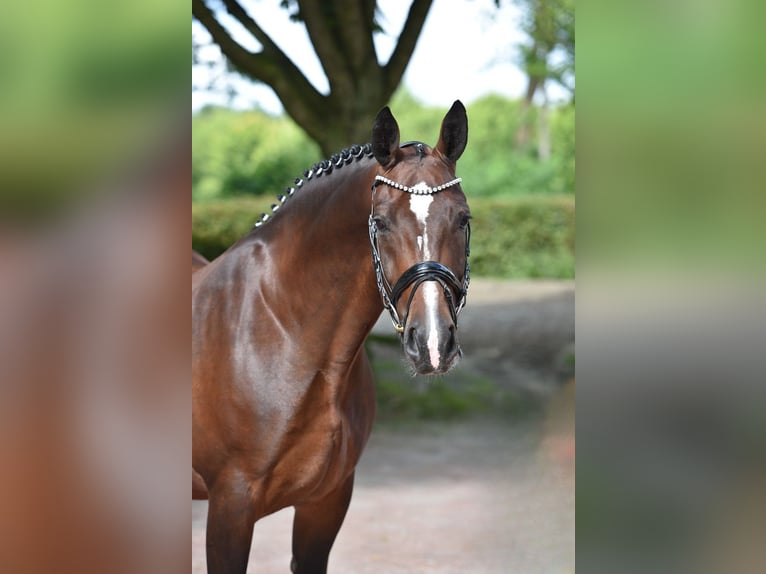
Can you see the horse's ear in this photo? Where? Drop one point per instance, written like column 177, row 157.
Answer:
column 385, row 137
column 454, row 133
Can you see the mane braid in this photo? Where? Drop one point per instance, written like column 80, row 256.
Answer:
column 325, row 167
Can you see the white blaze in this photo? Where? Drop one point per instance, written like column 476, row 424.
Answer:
column 420, row 204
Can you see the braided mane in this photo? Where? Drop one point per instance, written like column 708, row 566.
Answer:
column 325, row 167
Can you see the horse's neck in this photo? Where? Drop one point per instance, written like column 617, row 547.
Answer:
column 319, row 282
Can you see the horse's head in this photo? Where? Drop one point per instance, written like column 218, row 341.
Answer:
column 419, row 230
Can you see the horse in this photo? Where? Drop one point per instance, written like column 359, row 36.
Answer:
column 283, row 399
column 198, row 261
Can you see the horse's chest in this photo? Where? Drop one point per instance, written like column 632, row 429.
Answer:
column 314, row 460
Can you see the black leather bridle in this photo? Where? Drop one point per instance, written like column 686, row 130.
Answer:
column 420, row 272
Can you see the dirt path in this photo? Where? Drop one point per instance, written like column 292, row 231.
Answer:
column 469, row 497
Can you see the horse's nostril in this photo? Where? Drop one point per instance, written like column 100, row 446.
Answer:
column 451, row 345
column 411, row 341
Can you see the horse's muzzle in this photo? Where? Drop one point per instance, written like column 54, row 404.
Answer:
column 431, row 351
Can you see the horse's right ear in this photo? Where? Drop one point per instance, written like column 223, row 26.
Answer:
column 385, row 137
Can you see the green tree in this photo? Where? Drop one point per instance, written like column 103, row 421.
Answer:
column 342, row 35
column 236, row 153
column 548, row 54
column 549, row 25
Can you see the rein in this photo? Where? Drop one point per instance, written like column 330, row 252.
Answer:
column 422, row 271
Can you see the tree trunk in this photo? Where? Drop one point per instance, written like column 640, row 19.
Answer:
column 543, row 129
column 523, row 135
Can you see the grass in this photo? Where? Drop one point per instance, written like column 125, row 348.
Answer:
column 459, row 395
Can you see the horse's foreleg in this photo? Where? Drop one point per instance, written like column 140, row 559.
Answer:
column 199, row 490
column 315, row 527
column 230, row 519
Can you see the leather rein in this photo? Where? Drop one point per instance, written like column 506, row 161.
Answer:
column 419, row 272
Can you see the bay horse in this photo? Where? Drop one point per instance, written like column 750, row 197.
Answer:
column 283, row 398
column 198, row 261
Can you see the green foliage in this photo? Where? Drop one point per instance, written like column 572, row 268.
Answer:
column 401, row 397
column 563, row 143
column 217, row 225
column 523, row 237
column 511, row 237
column 550, row 29
column 493, row 163
column 236, row 153
column 416, row 121
column 463, row 393
column 523, row 208
column 86, row 90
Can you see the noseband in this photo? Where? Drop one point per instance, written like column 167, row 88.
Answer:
column 420, row 272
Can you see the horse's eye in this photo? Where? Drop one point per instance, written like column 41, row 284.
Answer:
column 380, row 223
column 465, row 218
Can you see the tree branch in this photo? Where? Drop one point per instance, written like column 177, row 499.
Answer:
column 356, row 27
column 406, row 44
column 342, row 36
column 236, row 54
column 271, row 66
column 236, row 10
column 286, row 71
column 319, row 19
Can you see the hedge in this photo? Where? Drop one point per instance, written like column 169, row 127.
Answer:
column 514, row 237
column 527, row 237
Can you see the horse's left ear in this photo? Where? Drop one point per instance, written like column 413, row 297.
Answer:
column 385, row 137
column 454, row 133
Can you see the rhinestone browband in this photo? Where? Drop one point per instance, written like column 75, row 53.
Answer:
column 419, row 189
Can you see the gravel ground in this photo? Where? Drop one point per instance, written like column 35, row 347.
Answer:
column 481, row 497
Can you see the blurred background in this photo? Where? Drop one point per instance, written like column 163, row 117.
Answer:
column 94, row 226
column 94, row 338
column 494, row 440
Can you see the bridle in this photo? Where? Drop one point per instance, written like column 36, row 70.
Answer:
column 420, row 272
